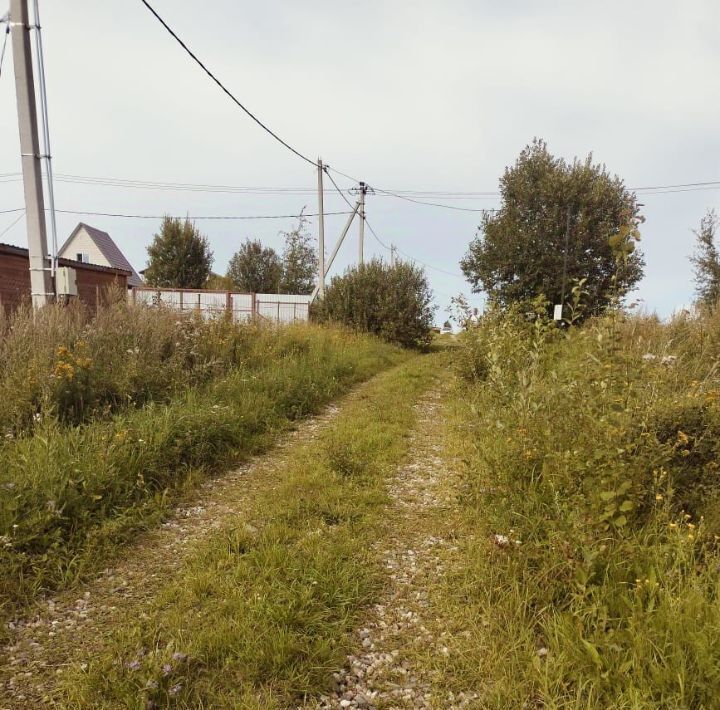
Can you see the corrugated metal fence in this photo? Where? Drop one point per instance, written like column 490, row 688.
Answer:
column 281, row 308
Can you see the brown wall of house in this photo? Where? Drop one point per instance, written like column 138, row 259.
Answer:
column 15, row 281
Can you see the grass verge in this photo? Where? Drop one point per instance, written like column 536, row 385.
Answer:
column 589, row 562
column 69, row 496
column 260, row 615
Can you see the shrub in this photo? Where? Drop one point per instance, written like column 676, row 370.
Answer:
column 390, row 301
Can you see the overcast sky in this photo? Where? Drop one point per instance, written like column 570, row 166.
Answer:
column 407, row 95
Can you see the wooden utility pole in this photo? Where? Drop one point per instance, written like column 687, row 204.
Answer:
column 41, row 286
column 321, row 231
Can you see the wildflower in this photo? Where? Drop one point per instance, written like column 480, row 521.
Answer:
column 179, row 657
column 649, row 357
column 133, row 665
column 669, row 360
column 175, row 689
column 691, row 536
column 683, row 438
column 691, row 526
column 167, row 669
column 658, row 496
column 672, row 526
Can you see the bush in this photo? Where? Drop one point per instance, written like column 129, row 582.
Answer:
column 390, row 301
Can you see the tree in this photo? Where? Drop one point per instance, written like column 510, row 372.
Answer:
column 218, row 282
column 179, row 256
column 393, row 302
column 300, row 260
column 706, row 261
column 519, row 252
column 255, row 268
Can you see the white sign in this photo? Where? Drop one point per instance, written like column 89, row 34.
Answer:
column 557, row 315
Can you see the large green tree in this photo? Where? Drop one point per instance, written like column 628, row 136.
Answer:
column 706, row 261
column 519, row 252
column 179, row 256
column 255, row 268
column 300, row 260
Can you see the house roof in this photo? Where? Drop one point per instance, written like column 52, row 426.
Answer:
column 108, row 249
column 22, row 251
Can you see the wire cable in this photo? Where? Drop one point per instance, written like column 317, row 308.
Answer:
column 377, row 239
column 196, row 217
column 223, row 87
column 6, row 20
column 12, row 224
column 203, row 217
column 340, row 192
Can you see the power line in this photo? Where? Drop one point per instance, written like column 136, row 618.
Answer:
column 190, row 217
column 340, row 192
column 12, row 224
column 377, row 239
column 269, row 190
column 6, row 20
column 223, row 87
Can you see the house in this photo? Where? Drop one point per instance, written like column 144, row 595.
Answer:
column 93, row 246
column 92, row 280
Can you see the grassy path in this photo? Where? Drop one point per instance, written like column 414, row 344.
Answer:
column 402, row 647
column 246, row 598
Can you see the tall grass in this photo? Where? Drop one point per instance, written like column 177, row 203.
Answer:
column 595, row 456
column 84, row 465
column 260, row 615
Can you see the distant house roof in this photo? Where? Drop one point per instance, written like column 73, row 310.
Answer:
column 108, row 249
column 14, row 250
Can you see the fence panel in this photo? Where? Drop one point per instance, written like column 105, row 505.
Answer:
column 279, row 308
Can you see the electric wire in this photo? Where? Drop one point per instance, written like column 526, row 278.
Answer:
column 223, row 87
column 6, row 20
column 198, row 217
column 12, row 224
column 269, row 190
column 340, row 192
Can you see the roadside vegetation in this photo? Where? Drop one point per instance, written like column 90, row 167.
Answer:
column 107, row 422
column 391, row 301
column 589, row 572
column 261, row 614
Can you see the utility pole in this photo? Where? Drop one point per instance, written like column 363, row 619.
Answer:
column 392, row 255
column 321, row 232
column 361, row 241
column 343, row 234
column 41, row 286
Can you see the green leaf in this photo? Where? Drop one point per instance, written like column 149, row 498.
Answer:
column 593, row 653
column 620, row 521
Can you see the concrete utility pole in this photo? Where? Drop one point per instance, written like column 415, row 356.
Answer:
column 343, row 234
column 321, row 232
column 361, row 241
column 41, row 286
column 392, row 255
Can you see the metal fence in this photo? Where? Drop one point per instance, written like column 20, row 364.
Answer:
column 280, row 308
